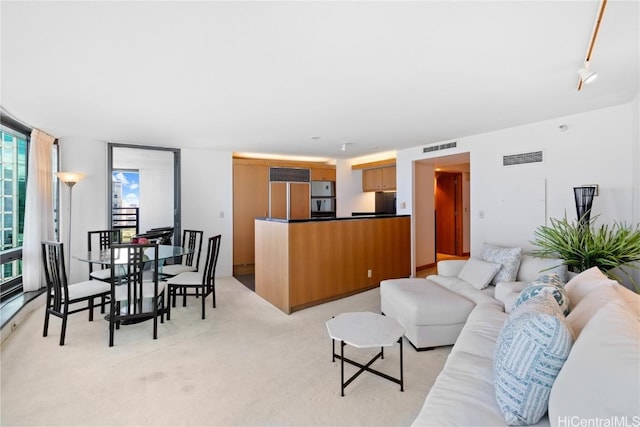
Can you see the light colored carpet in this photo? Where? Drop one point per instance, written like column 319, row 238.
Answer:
column 246, row 364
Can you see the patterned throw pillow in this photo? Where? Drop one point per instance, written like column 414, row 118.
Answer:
column 509, row 258
column 533, row 344
column 549, row 283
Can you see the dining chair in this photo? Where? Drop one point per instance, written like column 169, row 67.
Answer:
column 101, row 240
column 191, row 241
column 136, row 292
column 61, row 295
column 202, row 283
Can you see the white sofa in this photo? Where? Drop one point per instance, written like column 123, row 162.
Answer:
column 434, row 310
column 599, row 384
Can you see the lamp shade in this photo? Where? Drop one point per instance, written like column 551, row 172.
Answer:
column 70, row 178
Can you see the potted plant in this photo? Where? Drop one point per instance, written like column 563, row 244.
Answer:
column 581, row 245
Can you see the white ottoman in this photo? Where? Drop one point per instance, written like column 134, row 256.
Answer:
column 431, row 315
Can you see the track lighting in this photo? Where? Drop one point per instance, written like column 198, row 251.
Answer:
column 587, row 75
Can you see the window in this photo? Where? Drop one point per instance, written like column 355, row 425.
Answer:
column 13, row 188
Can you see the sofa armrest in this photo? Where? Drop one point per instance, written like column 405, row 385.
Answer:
column 450, row 267
column 507, row 293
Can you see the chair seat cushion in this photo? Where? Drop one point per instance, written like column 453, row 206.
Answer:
column 175, row 269
column 188, row 278
column 88, row 288
column 147, row 290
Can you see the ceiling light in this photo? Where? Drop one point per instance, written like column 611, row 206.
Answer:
column 587, row 75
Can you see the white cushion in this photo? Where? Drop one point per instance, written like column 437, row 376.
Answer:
column 175, row 269
column 601, row 377
column 88, row 288
column 147, row 290
column 532, row 347
column 588, row 292
column 531, row 267
column 478, row 273
column 187, row 278
column 509, row 258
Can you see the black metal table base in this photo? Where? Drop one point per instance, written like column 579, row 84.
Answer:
column 380, row 355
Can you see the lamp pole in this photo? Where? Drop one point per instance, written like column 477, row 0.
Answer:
column 70, row 179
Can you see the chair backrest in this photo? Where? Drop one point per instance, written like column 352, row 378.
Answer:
column 102, row 239
column 127, row 277
column 55, row 273
column 192, row 240
column 213, row 249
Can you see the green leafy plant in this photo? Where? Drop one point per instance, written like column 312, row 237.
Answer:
column 581, row 245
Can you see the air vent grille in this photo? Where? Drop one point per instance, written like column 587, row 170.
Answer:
column 440, row 147
column 289, row 175
column 523, row 158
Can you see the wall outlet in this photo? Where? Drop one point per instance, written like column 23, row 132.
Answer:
column 369, row 273
column 403, row 205
column 221, row 214
column 481, row 214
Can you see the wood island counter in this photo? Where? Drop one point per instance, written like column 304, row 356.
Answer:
column 301, row 263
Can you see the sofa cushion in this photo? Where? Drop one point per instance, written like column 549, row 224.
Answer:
column 532, row 267
column 478, row 273
column 588, row 292
column 509, row 258
column 481, row 331
column 548, row 283
column 530, row 351
column 461, row 287
column 600, row 379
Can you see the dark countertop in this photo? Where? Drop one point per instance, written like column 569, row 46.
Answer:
column 346, row 218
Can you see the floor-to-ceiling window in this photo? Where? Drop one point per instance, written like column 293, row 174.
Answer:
column 13, row 189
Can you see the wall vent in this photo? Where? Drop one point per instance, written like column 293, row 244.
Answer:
column 289, row 174
column 523, row 158
column 453, row 144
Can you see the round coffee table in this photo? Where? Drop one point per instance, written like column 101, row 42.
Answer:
column 364, row 330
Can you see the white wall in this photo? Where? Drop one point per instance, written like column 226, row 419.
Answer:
column 349, row 194
column 635, row 166
column 597, row 148
column 206, row 195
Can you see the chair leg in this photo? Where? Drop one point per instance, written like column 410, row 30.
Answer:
column 64, row 328
column 213, row 294
column 184, row 296
column 45, row 331
column 112, row 322
column 169, row 303
column 202, row 302
column 90, row 309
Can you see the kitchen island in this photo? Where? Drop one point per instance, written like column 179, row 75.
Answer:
column 301, row 263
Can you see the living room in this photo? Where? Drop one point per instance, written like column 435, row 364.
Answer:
column 586, row 137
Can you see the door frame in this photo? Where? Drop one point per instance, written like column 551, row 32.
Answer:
column 177, row 214
column 458, row 209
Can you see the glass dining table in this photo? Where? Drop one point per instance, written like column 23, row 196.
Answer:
column 103, row 257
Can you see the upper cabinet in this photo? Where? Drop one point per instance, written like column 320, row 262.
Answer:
column 379, row 179
column 318, row 174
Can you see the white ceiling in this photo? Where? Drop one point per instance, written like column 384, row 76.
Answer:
column 266, row 77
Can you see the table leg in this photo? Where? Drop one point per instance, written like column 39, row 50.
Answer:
column 401, row 370
column 342, row 344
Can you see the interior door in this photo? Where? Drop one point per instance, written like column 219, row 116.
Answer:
column 157, row 194
column 448, row 218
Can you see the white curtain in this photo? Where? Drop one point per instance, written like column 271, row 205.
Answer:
column 38, row 211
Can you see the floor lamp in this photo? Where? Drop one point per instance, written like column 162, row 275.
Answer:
column 70, row 179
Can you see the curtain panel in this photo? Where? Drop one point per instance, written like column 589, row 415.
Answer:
column 38, row 211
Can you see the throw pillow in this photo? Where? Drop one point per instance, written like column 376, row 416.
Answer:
column 549, row 283
column 600, row 379
column 582, row 284
column 508, row 258
column 478, row 273
column 532, row 346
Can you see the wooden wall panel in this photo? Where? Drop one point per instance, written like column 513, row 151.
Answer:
column 272, row 263
column 250, row 200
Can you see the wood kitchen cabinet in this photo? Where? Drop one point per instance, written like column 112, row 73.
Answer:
column 250, row 200
column 318, row 174
column 379, row 179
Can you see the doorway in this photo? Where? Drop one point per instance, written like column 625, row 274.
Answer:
column 156, row 194
column 448, row 206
